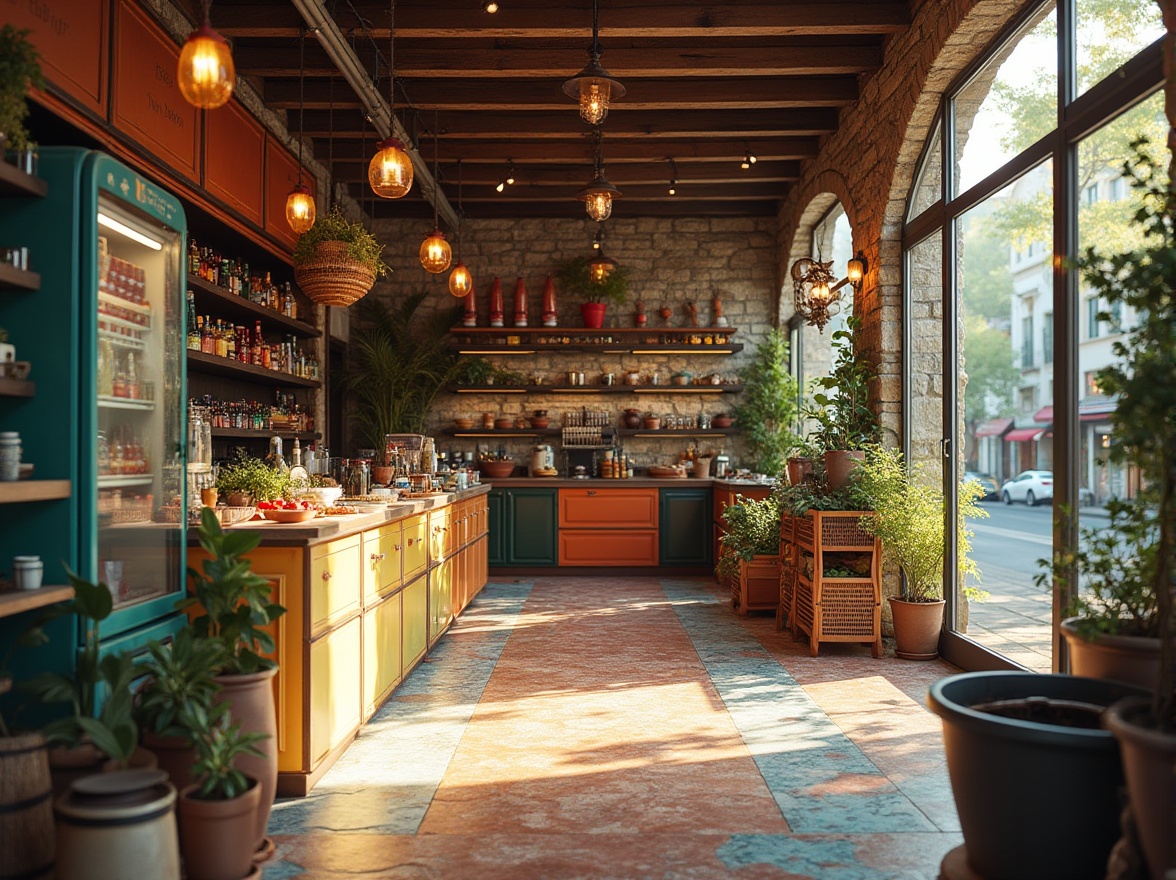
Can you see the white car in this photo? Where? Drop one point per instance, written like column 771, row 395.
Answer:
column 1028, row 486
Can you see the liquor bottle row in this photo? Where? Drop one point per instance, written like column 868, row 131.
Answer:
column 284, row 414
column 236, row 342
column 120, row 372
column 234, row 276
column 123, row 452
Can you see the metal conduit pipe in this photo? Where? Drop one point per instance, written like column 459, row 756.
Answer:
column 320, row 23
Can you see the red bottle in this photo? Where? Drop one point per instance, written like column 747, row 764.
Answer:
column 520, row 304
column 549, row 316
column 470, row 317
column 496, row 308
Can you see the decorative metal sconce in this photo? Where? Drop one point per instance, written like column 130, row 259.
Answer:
column 816, row 290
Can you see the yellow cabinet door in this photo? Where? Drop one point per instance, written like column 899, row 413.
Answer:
column 440, row 599
column 335, row 702
column 416, row 548
column 440, row 523
column 381, row 653
column 335, row 576
column 381, row 557
column 414, row 607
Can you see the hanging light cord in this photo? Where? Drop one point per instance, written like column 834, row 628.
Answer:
column 460, row 211
column 331, row 137
column 206, row 6
column 301, row 94
column 595, row 28
column 391, row 57
column 436, row 177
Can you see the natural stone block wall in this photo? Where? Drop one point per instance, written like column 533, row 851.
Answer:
column 670, row 262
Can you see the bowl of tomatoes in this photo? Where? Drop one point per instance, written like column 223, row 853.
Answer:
column 287, row 511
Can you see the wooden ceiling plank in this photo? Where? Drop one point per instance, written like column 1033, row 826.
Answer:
column 502, row 152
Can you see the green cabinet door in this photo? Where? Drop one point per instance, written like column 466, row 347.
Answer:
column 532, row 521
column 685, row 526
column 496, row 540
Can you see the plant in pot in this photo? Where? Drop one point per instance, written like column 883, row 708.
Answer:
column 217, row 811
column 1143, row 382
column 749, row 553
column 768, row 407
column 20, row 68
column 398, row 361
column 248, row 480
column 909, row 521
column 232, row 605
column 576, row 278
column 841, row 409
column 179, row 675
column 336, row 262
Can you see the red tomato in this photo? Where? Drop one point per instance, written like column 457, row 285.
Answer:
column 265, row 505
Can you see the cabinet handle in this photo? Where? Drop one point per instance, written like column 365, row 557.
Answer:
column 378, row 557
column 327, row 575
column 397, row 548
column 591, row 491
column 410, row 542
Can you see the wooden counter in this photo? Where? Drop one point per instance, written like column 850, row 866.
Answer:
column 366, row 597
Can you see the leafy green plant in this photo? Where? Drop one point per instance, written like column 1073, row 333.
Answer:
column 397, row 364
column 1143, row 381
column 504, row 376
column 815, row 494
column 20, row 67
column 768, row 410
column 179, row 675
column 909, row 520
column 752, row 528
column 219, row 743
column 841, row 408
column 362, row 246
column 235, row 602
column 108, row 723
column 252, row 476
column 474, row 371
column 575, row 277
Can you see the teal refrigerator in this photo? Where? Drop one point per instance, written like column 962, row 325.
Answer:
column 105, row 337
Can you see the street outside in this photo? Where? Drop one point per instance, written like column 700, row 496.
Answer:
column 1015, row 620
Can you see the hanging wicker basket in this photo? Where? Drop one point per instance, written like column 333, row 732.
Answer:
column 332, row 277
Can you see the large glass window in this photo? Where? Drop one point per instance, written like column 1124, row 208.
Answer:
column 1008, row 297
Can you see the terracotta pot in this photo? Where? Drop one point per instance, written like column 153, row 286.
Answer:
column 26, row 807
column 651, row 424
column 251, row 702
column 1149, row 764
column 1036, row 798
column 840, row 465
column 593, row 314
column 383, row 473
column 916, row 628
column 722, row 422
column 174, row 755
column 1132, row 659
column 68, row 764
column 540, row 422
column 799, row 470
column 216, row 837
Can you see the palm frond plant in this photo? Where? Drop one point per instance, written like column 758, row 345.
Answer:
column 398, row 363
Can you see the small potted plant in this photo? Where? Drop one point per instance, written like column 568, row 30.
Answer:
column 651, row 421
column 20, row 68
column 768, row 409
column 749, row 553
column 336, row 262
column 576, row 278
column 248, row 480
column 216, row 811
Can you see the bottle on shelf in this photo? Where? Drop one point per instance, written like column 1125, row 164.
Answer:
column 275, row 459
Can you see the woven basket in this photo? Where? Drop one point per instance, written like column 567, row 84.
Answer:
column 332, row 277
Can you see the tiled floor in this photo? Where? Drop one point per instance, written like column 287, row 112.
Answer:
column 633, row 728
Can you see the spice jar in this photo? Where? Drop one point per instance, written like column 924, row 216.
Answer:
column 487, row 421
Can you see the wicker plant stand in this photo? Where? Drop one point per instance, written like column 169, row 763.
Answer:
column 830, row 609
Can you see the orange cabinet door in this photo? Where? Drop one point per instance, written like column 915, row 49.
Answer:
column 607, row 547
column 607, row 508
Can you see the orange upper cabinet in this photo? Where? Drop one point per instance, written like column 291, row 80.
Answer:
column 234, row 160
column 607, row 508
column 147, row 105
column 73, row 38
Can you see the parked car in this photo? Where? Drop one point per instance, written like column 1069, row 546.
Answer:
column 1028, row 486
column 987, row 483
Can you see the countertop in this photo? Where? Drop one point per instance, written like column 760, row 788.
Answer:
column 328, row 528
column 631, row 482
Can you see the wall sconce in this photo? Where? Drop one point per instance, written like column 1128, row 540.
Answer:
column 816, row 290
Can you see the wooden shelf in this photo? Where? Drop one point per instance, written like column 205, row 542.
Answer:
column 18, row 601
column 625, row 347
column 17, row 387
column 618, row 340
column 245, row 433
column 582, row 332
column 209, row 364
column 229, row 304
column 594, row 389
column 18, row 279
column 14, row 182
column 645, row 433
column 34, row 490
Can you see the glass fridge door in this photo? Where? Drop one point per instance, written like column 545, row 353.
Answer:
column 141, row 509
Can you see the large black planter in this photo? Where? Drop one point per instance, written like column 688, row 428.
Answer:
column 1036, row 800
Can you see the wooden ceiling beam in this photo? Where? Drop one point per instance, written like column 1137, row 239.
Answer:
column 504, row 151
column 643, row 173
column 419, row 62
column 544, row 20
column 667, row 207
column 739, row 93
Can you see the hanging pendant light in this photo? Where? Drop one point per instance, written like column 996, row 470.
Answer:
column 600, row 266
column 206, row 74
column 300, row 210
column 461, row 282
column 594, row 87
column 390, row 171
column 598, row 195
column 435, row 251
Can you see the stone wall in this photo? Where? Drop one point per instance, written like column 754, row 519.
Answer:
column 670, row 262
